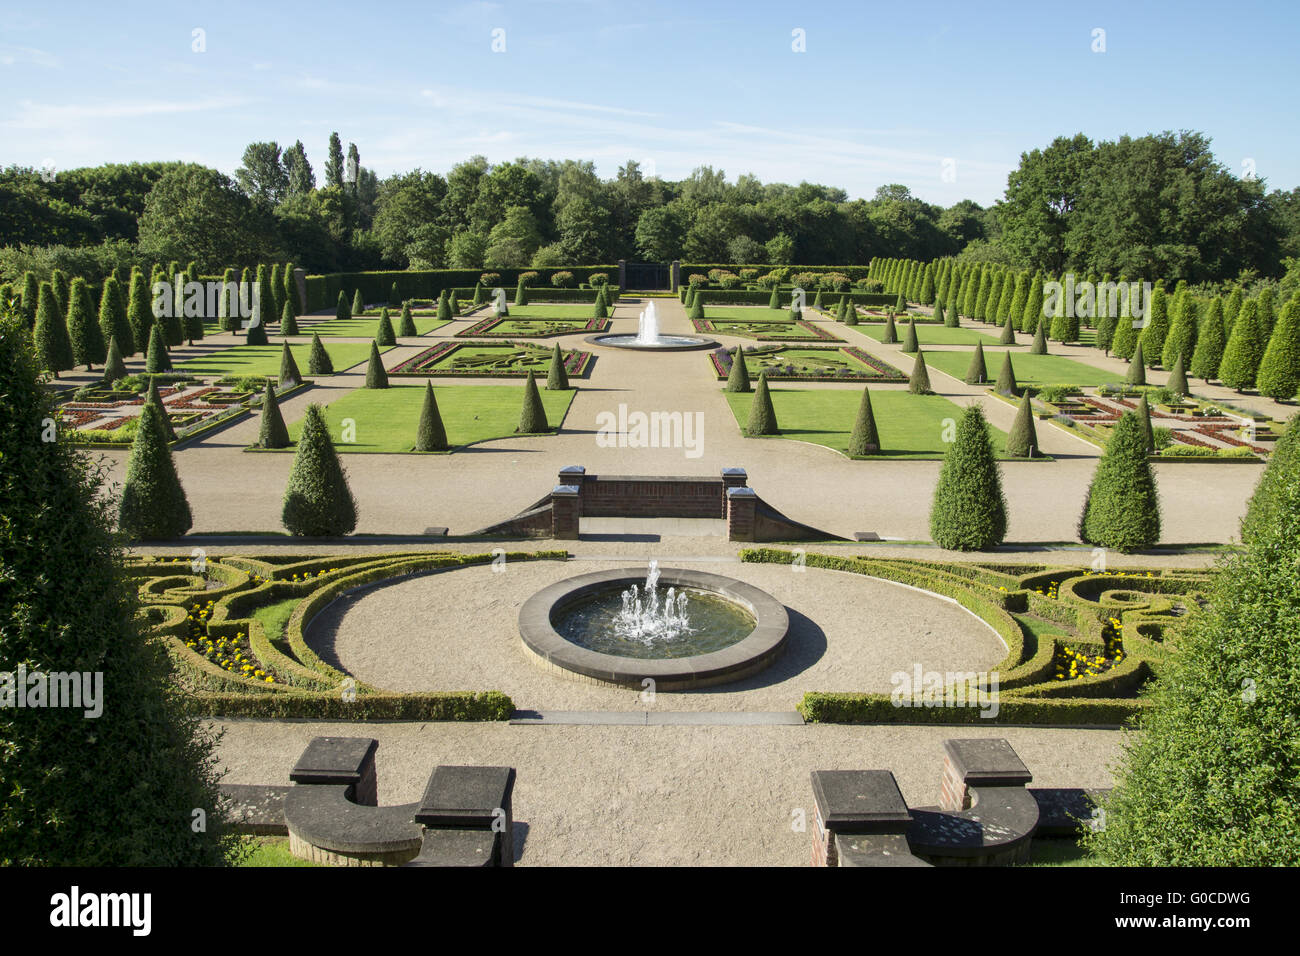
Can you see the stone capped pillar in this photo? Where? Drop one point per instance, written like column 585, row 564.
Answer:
column 347, row 761
column 566, row 511
column 982, row 762
column 742, row 514
column 854, row 802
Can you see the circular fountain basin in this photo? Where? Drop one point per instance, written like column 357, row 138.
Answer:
column 661, row 343
column 739, row 631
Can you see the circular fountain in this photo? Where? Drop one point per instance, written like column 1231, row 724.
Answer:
column 648, row 337
column 681, row 629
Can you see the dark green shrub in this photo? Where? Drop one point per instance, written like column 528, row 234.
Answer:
column 444, row 307
column 762, row 416
column 532, row 417
column 394, row 296
column 317, row 500
column 154, row 398
column 291, row 290
column 289, row 374
column 910, row 343
column 87, row 341
column 738, row 377
column 53, row 347
column 1143, row 413
column 697, row 307
column 773, row 302
column 1137, row 369
column 114, row 367
column 288, row 321
column 1008, row 336
column 1181, row 340
column 384, row 330
column 30, row 298
column 157, row 359
column 919, row 381
column 1283, row 470
column 521, row 294
column 376, row 374
column 342, row 310
column 1022, row 440
column 865, row 439
column 1245, row 350
column 153, row 505
column 358, row 304
column 969, row 511
column 1122, row 508
column 1039, row 346
column 890, row 336
column 557, row 376
column 406, row 324
column 273, row 433
column 1177, row 383
column 977, row 372
column 1279, row 370
column 256, row 333
column 1210, row 342
column 431, row 436
column 319, row 361
column 112, row 317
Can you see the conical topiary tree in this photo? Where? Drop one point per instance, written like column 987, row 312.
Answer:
column 83, row 327
column 1143, row 413
column 1156, row 329
column 1178, row 379
column 376, row 374
column 1232, row 309
column 256, row 332
column 228, row 303
column 444, row 307
column 977, row 372
column 951, row 319
column 1006, row 383
column 557, row 376
column 317, row 500
column 384, row 330
column 1245, row 350
column 153, row 505
column 112, row 317
column 910, row 343
column 1264, row 312
column 1181, row 339
column 762, row 415
column 1210, row 342
column 157, row 360
column 817, row 301
column 521, row 293
column 30, row 298
column 599, row 311
column 342, row 310
column 969, row 511
column 1137, row 369
column 1283, row 472
column 738, row 377
column 1122, row 508
column 865, row 439
column 107, row 791
column 918, row 383
column 1279, row 371
column 358, row 304
column 1008, row 336
column 1039, row 346
column 900, row 304
column 53, row 347
column 288, row 321
column 1032, row 317
column 890, row 336
column 773, row 301
column 406, row 324
column 480, row 294
column 289, row 374
column 154, row 397
column 114, row 367
column 319, row 361
column 277, row 293
column 273, row 433
column 1022, row 440
column 291, row 289
column 431, row 435
column 532, row 417
column 1124, row 341
column 697, row 307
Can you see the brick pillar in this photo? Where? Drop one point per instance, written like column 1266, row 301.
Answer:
column 676, row 275
column 731, row 478
column 300, row 283
column 566, row 510
column 572, row 475
column 983, row 762
column 742, row 510
column 346, row 761
column 854, row 802
column 622, row 275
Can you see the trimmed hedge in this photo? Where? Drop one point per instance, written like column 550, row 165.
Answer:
column 323, row 290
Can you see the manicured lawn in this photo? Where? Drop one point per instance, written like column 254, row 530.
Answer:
column 386, row 419
column 365, row 328
column 910, row 426
column 746, row 313
column 501, row 359
column 1058, row 851
column 1029, row 369
column 272, row 851
column 932, row 334
column 265, row 359
column 824, row 363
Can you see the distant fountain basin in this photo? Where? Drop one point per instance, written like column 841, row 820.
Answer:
column 649, row 338
column 679, row 629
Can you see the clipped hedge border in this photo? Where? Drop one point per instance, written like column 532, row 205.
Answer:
column 827, row 708
column 444, row 705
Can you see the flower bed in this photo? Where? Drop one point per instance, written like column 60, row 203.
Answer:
column 489, row 360
column 544, row 327
column 765, row 331
column 822, row 365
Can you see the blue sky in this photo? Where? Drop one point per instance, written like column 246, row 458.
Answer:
column 885, row 92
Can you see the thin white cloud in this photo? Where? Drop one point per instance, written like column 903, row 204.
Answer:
column 11, row 55
column 32, row 115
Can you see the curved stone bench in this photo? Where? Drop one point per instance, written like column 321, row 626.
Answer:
column 995, row 830
column 326, row 827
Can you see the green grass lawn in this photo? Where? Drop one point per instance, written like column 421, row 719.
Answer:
column 265, row 359
column 747, row 313
column 1029, row 369
column 274, row 617
column 931, row 335
column 271, row 851
column 365, row 328
column 910, row 426
column 387, row 418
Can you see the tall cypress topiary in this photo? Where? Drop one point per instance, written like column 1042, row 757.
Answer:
column 1006, row 383
column 342, row 310
column 1232, row 309
column 1022, row 440
column 977, row 372
column 277, row 293
column 117, row 789
column 891, row 331
column 1178, row 379
column 154, row 397
column 431, row 435
column 289, row 374
column 112, row 317
column 1279, row 370
column 738, row 377
column 273, row 433
column 1245, row 350
column 228, row 302
column 376, row 374
column 697, row 307
column 53, row 347
column 406, row 323
column 1143, row 413
column 1032, row 316
column 139, row 312
column 1122, row 508
column 865, row 439
column 288, row 322
column 1137, row 369
column 927, row 286
column 153, row 505
column 319, row 362
column 291, row 289
column 1210, row 342
column 384, row 330
column 557, row 376
column 157, row 360
column 1283, row 472
column 969, row 512
column 1264, row 312
column 532, row 417
column 87, row 340
column 317, row 500
column 62, row 290
column 918, row 383
column 114, row 367
column 762, row 415
column 358, row 304
column 1181, row 339
column 1156, row 330
column 910, row 343
column 30, row 298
